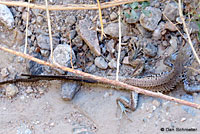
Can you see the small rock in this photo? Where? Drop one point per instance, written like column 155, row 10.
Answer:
column 103, row 48
column 29, row 90
column 171, row 11
column 62, row 56
column 165, row 43
column 52, row 124
column 112, row 29
column 157, row 32
column 179, row 20
column 6, row 16
column 112, row 64
column 125, row 60
column 68, row 90
column 34, row 67
column 156, row 103
column 173, row 42
column 170, row 26
column 72, row 34
column 44, row 53
column 11, row 90
column 39, row 19
column 193, row 27
column 44, row 42
column 23, row 129
column 171, row 49
column 78, row 41
column 143, row 31
column 113, row 16
column 4, row 72
column 126, row 38
column 89, row 35
column 150, row 50
column 198, row 78
column 101, row 63
column 70, row 20
column 183, row 119
column 110, row 46
column 91, row 69
column 150, row 22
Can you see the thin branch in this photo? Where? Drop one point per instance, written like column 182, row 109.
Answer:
column 186, row 30
column 70, row 6
column 70, row 42
column 100, row 18
column 49, row 27
column 27, row 21
column 103, row 80
column 120, row 41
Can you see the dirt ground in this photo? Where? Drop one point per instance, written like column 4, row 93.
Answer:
column 93, row 110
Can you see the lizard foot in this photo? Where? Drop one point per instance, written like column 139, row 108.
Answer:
column 127, row 105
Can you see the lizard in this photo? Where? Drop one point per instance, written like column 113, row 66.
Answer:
column 162, row 82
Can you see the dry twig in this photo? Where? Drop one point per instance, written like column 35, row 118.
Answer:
column 100, row 18
column 70, row 6
column 103, row 80
column 49, row 27
column 120, row 42
column 27, row 20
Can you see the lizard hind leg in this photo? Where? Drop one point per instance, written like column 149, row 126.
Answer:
column 127, row 105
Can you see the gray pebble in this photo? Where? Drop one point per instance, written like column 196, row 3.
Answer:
column 44, row 42
column 62, row 56
column 113, row 16
column 198, row 78
column 143, row 31
column 44, row 53
column 6, row 16
column 150, row 50
column 11, row 90
column 101, row 63
column 112, row 29
column 4, row 72
column 169, row 26
column 34, row 67
column 171, row 11
column 69, row 89
column 89, row 35
column 70, row 20
column 156, row 103
column 112, row 64
column 150, row 22
column 29, row 90
column 90, row 69
column 110, row 46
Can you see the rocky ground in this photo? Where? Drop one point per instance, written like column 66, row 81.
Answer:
column 71, row 107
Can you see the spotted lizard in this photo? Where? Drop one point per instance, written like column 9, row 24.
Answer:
column 158, row 83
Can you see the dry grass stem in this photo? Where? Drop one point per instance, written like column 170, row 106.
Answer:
column 120, row 42
column 27, row 21
column 100, row 18
column 49, row 27
column 70, row 42
column 103, row 80
column 70, row 6
column 187, row 32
